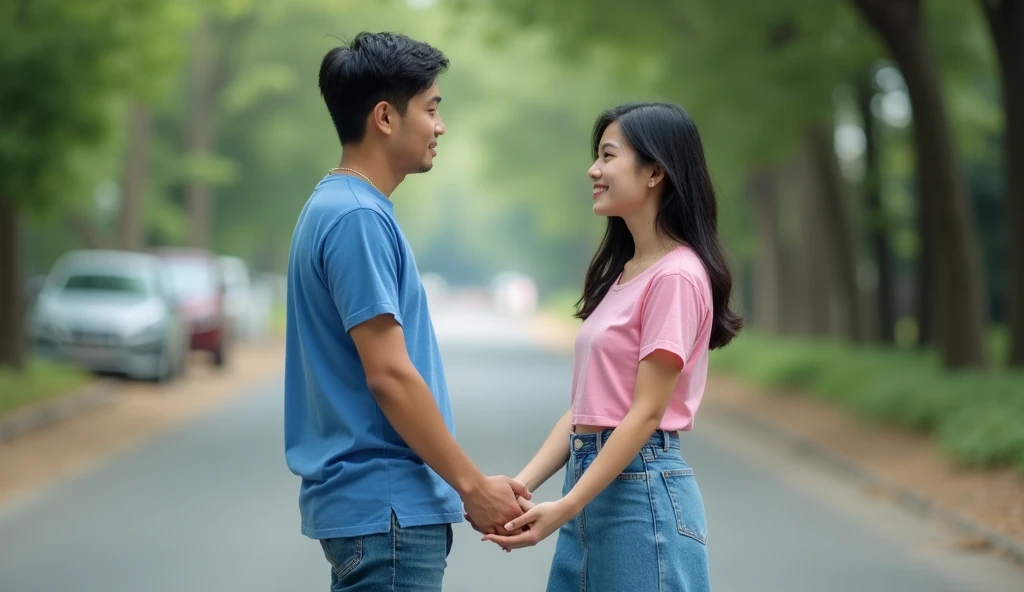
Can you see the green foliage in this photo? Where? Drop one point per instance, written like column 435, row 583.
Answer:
column 64, row 65
column 978, row 418
column 509, row 188
column 40, row 381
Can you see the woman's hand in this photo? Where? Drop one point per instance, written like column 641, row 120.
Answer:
column 537, row 523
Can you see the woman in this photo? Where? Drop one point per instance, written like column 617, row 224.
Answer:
column 654, row 302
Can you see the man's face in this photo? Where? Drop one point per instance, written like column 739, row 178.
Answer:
column 415, row 143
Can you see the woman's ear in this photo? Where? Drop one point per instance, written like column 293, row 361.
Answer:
column 656, row 175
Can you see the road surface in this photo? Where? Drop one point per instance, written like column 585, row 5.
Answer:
column 210, row 506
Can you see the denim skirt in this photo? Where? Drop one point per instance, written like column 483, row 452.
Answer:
column 646, row 532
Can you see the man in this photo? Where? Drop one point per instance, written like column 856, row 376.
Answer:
column 368, row 423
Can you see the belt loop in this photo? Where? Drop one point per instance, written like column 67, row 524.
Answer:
column 600, row 437
column 664, row 440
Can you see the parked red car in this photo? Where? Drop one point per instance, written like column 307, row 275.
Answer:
column 200, row 294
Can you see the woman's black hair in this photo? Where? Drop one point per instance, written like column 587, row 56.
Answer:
column 664, row 134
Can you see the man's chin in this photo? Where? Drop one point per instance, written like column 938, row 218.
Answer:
column 425, row 167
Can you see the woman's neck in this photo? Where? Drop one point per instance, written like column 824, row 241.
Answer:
column 648, row 241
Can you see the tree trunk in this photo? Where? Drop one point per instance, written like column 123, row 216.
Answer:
column 12, row 314
column 812, row 260
column 926, row 271
column 217, row 46
column 878, row 226
column 768, row 281
column 200, row 135
column 838, row 252
column 1006, row 21
column 794, row 290
column 957, row 287
column 131, row 222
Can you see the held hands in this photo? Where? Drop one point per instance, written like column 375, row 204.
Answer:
column 491, row 505
column 536, row 523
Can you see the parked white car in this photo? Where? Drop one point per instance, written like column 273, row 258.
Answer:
column 111, row 311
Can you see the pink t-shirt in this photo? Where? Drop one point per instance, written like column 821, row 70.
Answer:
column 666, row 307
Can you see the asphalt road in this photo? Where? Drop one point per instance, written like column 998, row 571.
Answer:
column 210, row 506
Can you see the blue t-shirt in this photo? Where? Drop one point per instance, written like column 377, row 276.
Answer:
column 350, row 262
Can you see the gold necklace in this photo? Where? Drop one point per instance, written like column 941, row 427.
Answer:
column 653, row 258
column 335, row 171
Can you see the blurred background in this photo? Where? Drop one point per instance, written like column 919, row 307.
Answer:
column 868, row 159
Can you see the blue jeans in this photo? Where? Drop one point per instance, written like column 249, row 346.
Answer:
column 404, row 559
column 646, row 531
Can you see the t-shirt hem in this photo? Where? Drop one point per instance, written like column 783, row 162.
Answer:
column 346, row 531
column 665, row 345
column 429, row 519
column 597, row 420
column 372, row 311
column 381, row 527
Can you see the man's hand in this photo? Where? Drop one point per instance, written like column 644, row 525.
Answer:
column 491, row 505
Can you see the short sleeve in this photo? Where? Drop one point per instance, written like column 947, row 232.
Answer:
column 671, row 316
column 360, row 262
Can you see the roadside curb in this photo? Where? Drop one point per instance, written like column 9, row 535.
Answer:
column 909, row 499
column 38, row 415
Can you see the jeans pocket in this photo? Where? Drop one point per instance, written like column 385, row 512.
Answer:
column 687, row 504
column 344, row 554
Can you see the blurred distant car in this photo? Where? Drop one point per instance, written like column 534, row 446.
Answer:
column 111, row 311
column 514, row 293
column 237, row 293
column 200, row 291
column 247, row 303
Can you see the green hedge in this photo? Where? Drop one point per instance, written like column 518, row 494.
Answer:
column 977, row 418
column 40, row 380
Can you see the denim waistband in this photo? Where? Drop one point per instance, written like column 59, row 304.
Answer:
column 592, row 443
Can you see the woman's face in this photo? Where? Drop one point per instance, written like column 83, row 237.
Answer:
column 621, row 187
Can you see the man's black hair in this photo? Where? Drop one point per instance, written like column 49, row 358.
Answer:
column 375, row 67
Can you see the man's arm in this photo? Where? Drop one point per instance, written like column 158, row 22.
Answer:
column 409, row 406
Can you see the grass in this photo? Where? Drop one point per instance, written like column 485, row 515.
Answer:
column 975, row 417
column 41, row 380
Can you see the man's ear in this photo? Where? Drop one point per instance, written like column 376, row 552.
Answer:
column 383, row 117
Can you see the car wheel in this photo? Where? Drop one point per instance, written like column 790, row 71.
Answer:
column 165, row 372
column 220, row 356
column 182, row 366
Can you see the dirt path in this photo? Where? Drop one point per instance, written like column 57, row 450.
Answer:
column 993, row 498
column 141, row 411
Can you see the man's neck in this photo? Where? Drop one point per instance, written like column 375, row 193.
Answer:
column 371, row 167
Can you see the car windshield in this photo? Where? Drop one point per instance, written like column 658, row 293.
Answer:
column 95, row 282
column 193, row 278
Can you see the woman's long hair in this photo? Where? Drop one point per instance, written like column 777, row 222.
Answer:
column 665, row 134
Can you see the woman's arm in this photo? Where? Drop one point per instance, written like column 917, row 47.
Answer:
column 551, row 456
column 655, row 381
